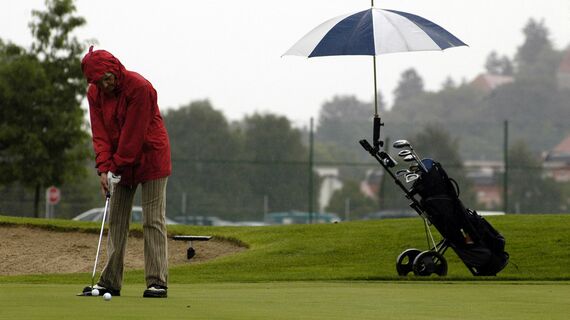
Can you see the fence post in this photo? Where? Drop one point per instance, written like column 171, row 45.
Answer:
column 311, row 137
column 506, row 165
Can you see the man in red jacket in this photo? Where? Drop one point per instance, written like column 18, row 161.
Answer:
column 130, row 140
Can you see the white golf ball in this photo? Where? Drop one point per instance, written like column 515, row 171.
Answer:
column 94, row 292
column 107, row 296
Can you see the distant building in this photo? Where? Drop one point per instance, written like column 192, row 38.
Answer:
column 370, row 186
column 557, row 161
column 486, row 184
column 563, row 74
column 329, row 184
column 489, row 82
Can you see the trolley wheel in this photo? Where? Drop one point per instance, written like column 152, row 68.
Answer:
column 429, row 262
column 406, row 260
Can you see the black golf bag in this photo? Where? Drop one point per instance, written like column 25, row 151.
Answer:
column 476, row 242
column 435, row 197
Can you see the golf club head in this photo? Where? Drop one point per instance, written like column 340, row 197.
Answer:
column 409, row 158
column 414, row 168
column 402, row 172
column 411, row 177
column 399, row 144
column 404, row 153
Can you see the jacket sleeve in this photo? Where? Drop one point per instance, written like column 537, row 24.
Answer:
column 137, row 120
column 101, row 142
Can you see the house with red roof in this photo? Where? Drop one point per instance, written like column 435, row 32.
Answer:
column 487, row 82
column 557, row 161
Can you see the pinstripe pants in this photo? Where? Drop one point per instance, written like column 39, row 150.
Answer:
column 154, row 233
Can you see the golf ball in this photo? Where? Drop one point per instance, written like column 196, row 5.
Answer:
column 94, row 292
column 107, row 296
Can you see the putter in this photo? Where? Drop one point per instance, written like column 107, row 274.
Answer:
column 107, row 198
column 112, row 181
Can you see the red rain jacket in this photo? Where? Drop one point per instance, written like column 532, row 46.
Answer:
column 129, row 136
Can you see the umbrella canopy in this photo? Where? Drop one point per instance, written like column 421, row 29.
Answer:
column 373, row 32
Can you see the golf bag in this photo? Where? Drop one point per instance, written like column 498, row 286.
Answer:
column 480, row 246
column 435, row 197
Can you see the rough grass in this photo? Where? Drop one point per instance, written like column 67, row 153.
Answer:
column 364, row 250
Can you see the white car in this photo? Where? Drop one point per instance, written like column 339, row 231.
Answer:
column 96, row 214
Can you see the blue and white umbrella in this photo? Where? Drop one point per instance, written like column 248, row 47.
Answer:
column 373, row 32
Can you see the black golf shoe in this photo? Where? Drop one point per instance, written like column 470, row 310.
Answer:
column 155, row 291
column 87, row 291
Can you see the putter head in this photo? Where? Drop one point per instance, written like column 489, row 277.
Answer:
column 399, row 144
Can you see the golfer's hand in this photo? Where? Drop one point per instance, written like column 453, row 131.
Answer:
column 104, row 184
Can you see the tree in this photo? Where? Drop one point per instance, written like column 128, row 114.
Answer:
column 536, row 59
column 499, row 65
column 448, row 84
column 359, row 204
column 281, row 170
column 343, row 121
column 529, row 190
column 536, row 40
column 42, row 140
column 204, row 147
column 409, row 86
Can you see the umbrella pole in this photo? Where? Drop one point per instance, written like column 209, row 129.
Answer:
column 375, row 89
column 377, row 121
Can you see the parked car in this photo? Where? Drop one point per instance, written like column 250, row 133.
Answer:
column 203, row 221
column 300, row 217
column 96, row 214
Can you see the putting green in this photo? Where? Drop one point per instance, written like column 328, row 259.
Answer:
column 298, row 300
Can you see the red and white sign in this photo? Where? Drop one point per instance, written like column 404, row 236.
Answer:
column 53, row 195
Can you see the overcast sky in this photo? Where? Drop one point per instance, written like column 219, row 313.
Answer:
column 230, row 51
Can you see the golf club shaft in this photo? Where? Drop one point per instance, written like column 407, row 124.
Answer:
column 108, row 197
column 419, row 161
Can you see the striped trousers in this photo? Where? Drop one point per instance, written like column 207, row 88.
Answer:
column 154, row 233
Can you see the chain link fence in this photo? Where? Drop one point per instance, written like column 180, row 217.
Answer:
column 218, row 191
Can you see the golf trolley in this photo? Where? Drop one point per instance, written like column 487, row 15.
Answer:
column 435, row 197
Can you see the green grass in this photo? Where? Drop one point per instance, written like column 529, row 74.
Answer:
column 366, row 250
column 298, row 300
column 318, row 272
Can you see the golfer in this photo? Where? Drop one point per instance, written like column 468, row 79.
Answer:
column 130, row 141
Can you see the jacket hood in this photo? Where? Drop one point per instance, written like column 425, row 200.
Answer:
column 96, row 63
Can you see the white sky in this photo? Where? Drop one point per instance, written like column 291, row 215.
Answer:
column 230, row 51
